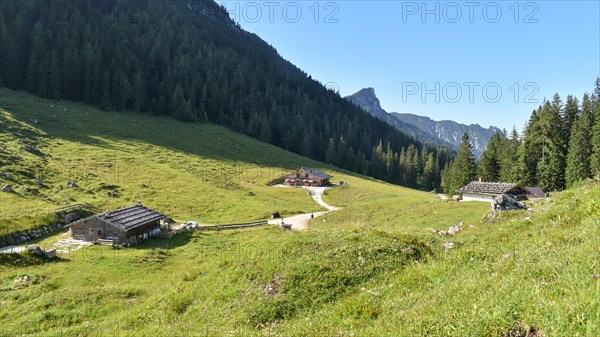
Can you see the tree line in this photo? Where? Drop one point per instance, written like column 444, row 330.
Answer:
column 190, row 61
column 559, row 146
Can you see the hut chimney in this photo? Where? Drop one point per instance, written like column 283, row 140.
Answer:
column 480, row 179
column 138, row 203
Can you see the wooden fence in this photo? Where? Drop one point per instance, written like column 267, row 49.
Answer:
column 233, row 226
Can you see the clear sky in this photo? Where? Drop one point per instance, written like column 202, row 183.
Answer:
column 475, row 62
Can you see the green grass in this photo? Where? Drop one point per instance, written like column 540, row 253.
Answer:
column 369, row 269
column 188, row 171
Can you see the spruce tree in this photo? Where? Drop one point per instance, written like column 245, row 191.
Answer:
column 578, row 158
column 550, row 167
column 570, row 113
column 595, row 139
column 488, row 167
column 331, row 153
column 430, row 172
column 530, row 150
column 378, row 161
column 446, row 178
column 265, row 131
column 464, row 169
column 509, row 161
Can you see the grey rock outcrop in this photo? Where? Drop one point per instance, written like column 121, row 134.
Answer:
column 505, row 202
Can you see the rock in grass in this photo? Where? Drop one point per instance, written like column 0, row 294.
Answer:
column 7, row 188
column 35, row 250
column 453, row 229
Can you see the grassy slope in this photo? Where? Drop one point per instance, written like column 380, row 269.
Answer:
column 188, row 171
column 370, row 269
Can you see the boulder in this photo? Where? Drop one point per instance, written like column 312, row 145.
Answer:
column 72, row 184
column 7, row 188
column 276, row 215
column 453, row 229
column 505, row 202
column 35, row 250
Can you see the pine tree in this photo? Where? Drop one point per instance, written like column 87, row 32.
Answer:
column 265, row 131
column 331, row 153
column 570, row 113
column 410, row 165
column 431, row 172
column 529, row 151
column 488, row 167
column 595, row 156
column 550, row 168
column 509, row 161
column 463, row 168
column 578, row 158
column 446, row 178
column 378, row 161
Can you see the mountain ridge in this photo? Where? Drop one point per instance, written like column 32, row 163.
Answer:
column 443, row 132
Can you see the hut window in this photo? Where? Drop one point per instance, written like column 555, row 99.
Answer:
column 99, row 233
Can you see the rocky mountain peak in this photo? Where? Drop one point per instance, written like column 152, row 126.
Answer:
column 445, row 132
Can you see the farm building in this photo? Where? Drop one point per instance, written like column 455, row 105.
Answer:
column 307, row 177
column 126, row 225
column 535, row 193
column 486, row 191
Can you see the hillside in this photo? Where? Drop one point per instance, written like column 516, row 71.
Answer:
column 189, row 171
column 186, row 59
column 444, row 133
column 373, row 268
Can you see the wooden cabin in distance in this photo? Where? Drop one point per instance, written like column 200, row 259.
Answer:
column 534, row 192
column 128, row 225
column 307, row 177
column 487, row 191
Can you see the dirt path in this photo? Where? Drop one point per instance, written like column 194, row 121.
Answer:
column 300, row 221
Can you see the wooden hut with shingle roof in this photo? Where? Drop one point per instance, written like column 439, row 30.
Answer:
column 307, row 177
column 125, row 225
column 487, row 191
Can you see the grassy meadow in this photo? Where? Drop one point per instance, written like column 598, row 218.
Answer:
column 372, row 268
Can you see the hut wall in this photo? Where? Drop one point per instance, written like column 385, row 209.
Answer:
column 94, row 229
column 477, row 197
column 143, row 232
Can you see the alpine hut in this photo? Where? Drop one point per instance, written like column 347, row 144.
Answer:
column 128, row 225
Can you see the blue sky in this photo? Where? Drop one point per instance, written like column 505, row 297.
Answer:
column 480, row 62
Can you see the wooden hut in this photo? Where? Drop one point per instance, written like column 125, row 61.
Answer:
column 307, row 177
column 487, row 191
column 128, row 225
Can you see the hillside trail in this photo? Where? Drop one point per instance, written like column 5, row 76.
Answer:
column 300, row 221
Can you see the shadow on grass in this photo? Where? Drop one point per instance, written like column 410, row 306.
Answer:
column 92, row 126
column 27, row 259
column 176, row 241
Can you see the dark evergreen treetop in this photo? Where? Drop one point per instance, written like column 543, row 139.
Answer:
column 189, row 60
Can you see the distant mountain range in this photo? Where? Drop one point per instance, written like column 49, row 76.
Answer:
column 447, row 132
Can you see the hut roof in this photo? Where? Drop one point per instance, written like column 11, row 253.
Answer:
column 127, row 218
column 535, row 192
column 490, row 188
column 317, row 173
column 131, row 217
